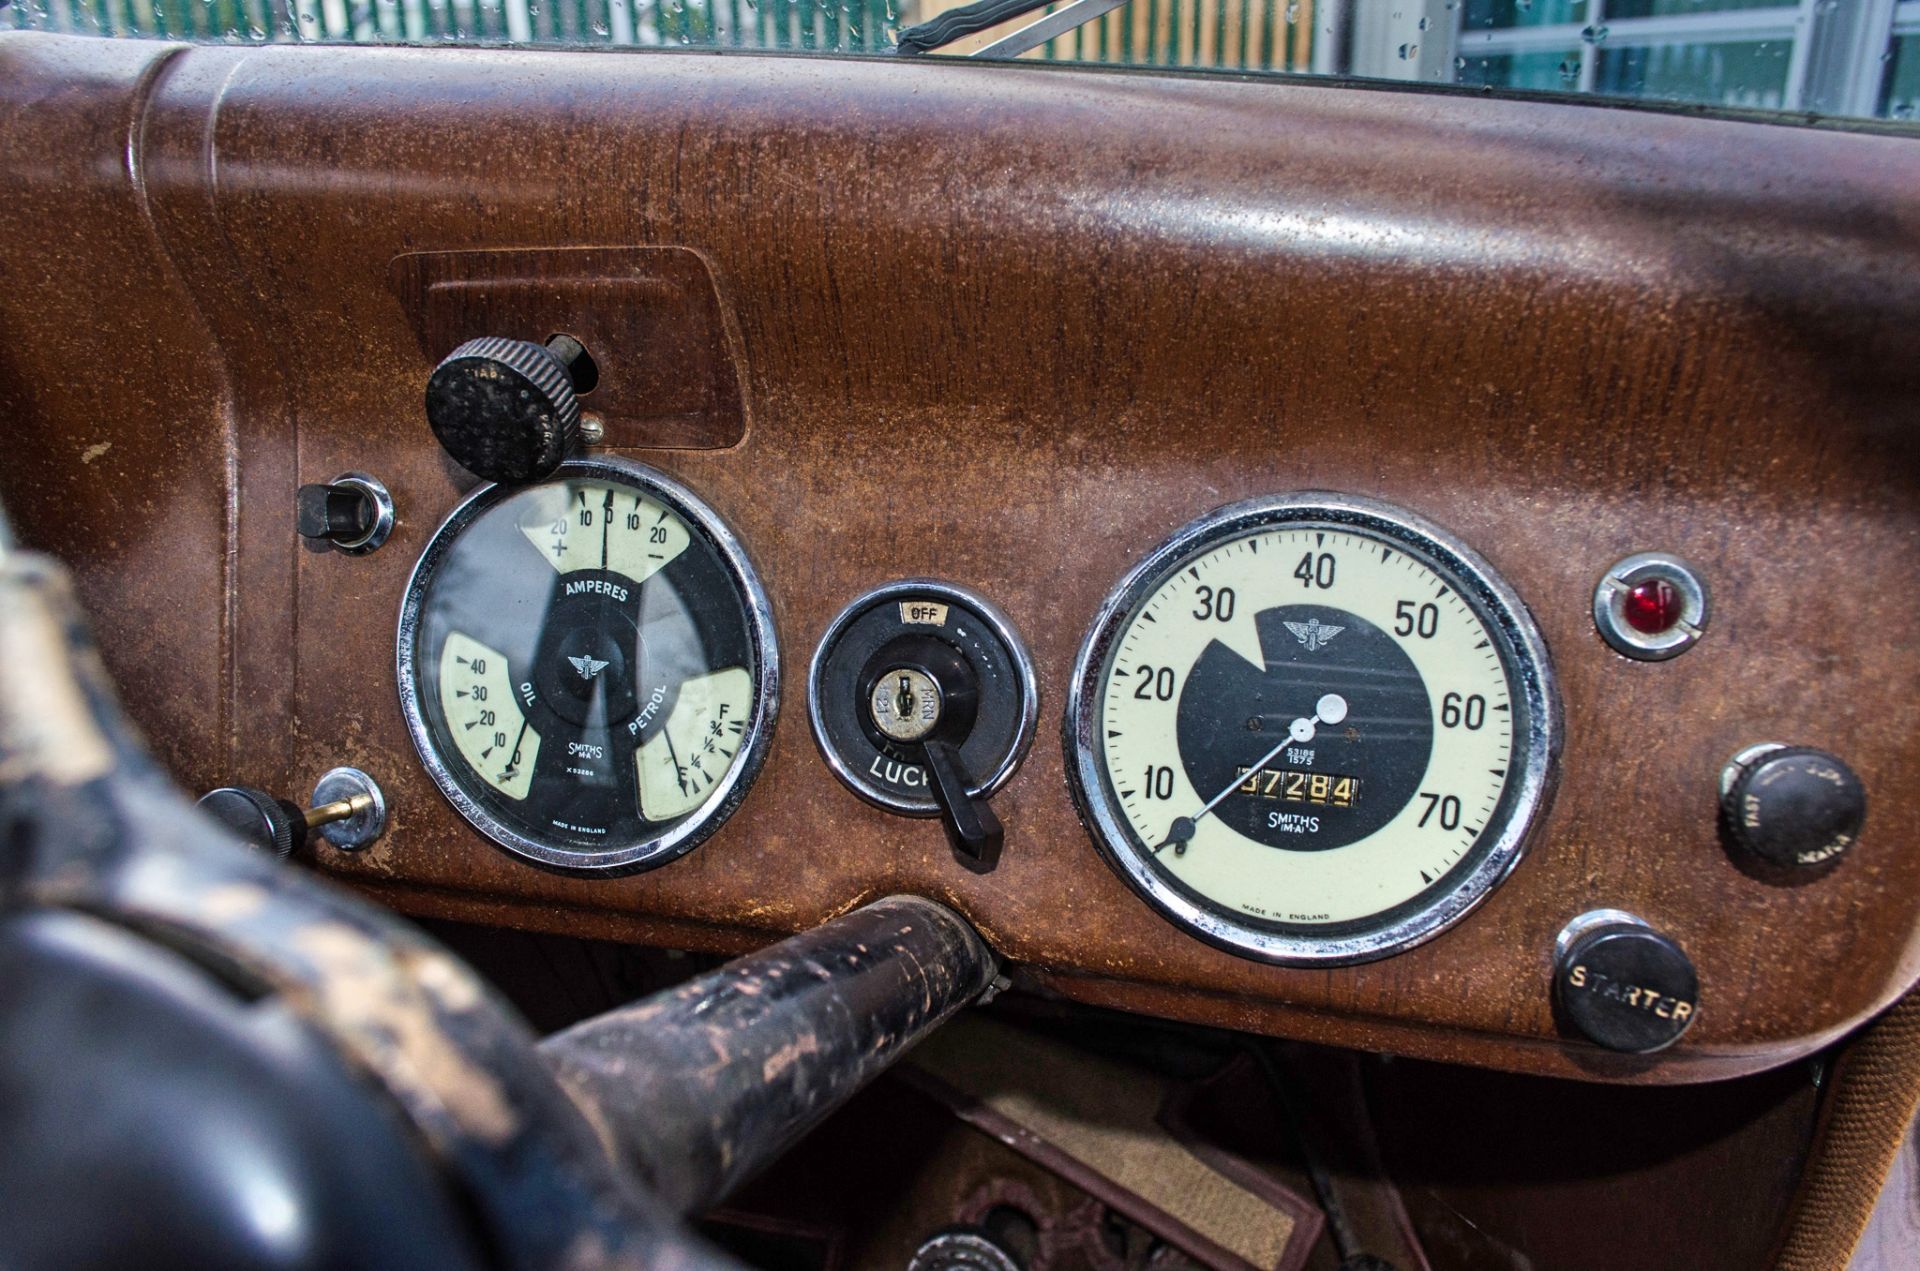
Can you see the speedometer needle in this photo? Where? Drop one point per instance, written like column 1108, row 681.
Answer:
column 1330, row 709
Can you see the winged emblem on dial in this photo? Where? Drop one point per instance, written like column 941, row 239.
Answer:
column 587, row 666
column 1313, row 633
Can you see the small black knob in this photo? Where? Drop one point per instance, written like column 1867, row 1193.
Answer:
column 270, row 824
column 507, row 410
column 336, row 513
column 352, row 513
column 1623, row 985
column 352, row 802
column 1793, row 805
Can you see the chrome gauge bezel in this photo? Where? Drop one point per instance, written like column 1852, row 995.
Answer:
column 1003, row 631
column 697, row 826
column 1536, row 753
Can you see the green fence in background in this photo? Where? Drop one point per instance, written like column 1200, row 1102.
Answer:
column 1258, row 34
column 796, row 24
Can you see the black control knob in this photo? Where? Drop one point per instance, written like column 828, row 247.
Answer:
column 508, row 410
column 353, row 513
column 349, row 810
column 1792, row 805
column 1623, row 985
column 270, row 824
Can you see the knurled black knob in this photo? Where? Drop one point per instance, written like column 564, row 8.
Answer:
column 1623, row 985
column 1793, row 805
column 347, row 803
column 270, row 824
column 506, row 410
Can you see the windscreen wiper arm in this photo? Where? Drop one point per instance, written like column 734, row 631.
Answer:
column 970, row 19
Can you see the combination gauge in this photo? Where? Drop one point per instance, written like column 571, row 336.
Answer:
column 588, row 667
column 1312, row 729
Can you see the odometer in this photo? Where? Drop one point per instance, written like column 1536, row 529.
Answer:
column 1312, row 729
column 588, row 667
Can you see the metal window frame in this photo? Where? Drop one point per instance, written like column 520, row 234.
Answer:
column 1836, row 65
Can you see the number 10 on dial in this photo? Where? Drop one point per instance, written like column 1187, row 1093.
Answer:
column 1312, row 729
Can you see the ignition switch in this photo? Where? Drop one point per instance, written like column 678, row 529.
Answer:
column 922, row 701
column 906, row 703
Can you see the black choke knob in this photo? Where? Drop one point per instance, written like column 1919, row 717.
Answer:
column 270, row 824
column 507, row 410
column 350, row 811
column 1792, row 805
column 1623, row 985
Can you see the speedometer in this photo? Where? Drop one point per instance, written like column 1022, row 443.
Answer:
column 1313, row 729
column 588, row 667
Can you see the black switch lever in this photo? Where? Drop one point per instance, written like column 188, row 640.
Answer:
column 334, row 512
column 922, row 698
column 972, row 828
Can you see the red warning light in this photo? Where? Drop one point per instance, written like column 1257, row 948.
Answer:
column 1653, row 607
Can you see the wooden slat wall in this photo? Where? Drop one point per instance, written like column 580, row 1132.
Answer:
column 1254, row 34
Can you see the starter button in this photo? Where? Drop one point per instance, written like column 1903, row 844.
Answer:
column 1623, row 985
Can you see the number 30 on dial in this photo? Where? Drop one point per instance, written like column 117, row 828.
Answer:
column 1312, row 729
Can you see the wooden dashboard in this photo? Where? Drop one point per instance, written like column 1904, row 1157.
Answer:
column 1007, row 326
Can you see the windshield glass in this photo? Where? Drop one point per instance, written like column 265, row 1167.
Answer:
column 1848, row 58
